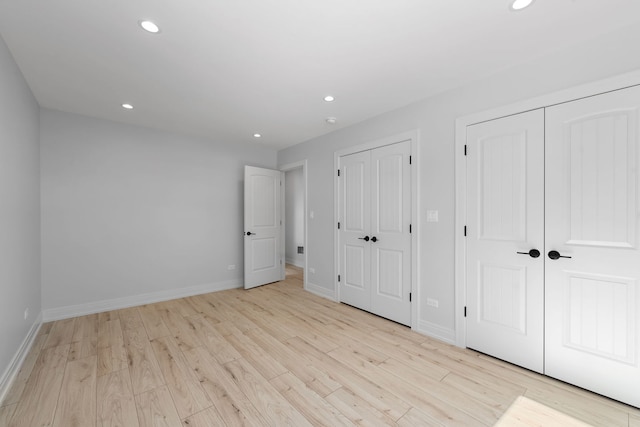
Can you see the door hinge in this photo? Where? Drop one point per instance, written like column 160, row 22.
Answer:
column 409, row 159
column 465, row 149
column 338, row 172
column 465, row 231
column 338, row 225
column 409, row 228
column 409, row 296
column 338, row 277
column 465, row 311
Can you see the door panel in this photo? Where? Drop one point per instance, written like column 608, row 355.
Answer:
column 390, row 219
column 592, row 216
column 263, row 250
column 355, row 262
column 505, row 212
column 502, row 296
column 355, row 203
column 600, row 315
column 603, row 193
column 262, row 218
column 502, row 177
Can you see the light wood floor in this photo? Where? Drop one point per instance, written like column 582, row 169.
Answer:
column 274, row 355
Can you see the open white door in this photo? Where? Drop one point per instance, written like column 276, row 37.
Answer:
column 263, row 243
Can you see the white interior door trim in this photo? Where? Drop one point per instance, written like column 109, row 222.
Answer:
column 285, row 168
column 559, row 97
column 412, row 136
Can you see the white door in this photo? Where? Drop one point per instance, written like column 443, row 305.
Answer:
column 262, row 226
column 505, row 228
column 375, row 240
column 390, row 235
column 355, row 228
column 592, row 296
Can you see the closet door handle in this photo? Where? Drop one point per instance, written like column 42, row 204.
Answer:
column 365, row 238
column 250, row 233
column 533, row 253
column 374, row 239
column 556, row 255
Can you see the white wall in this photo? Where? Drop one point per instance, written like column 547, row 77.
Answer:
column 435, row 120
column 294, row 216
column 130, row 211
column 19, row 212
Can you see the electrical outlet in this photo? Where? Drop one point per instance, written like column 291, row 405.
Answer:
column 26, row 313
column 432, row 216
column 433, row 302
column 312, row 270
column 231, row 267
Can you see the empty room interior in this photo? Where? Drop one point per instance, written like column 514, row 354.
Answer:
column 266, row 213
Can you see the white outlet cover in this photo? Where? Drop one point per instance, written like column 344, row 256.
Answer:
column 432, row 216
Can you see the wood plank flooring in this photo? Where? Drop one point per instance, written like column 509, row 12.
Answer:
column 270, row 356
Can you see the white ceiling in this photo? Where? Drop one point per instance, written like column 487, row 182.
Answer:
column 225, row 69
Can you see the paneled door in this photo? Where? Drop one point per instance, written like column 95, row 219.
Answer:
column 375, row 239
column 592, row 255
column 263, row 248
column 505, row 229
column 391, row 238
column 355, row 227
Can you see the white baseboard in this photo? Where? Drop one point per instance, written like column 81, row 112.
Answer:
column 293, row 261
column 321, row 291
column 12, row 370
column 436, row 331
column 135, row 300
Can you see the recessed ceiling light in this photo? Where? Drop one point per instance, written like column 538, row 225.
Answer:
column 329, row 98
column 127, row 106
column 520, row 4
column 257, row 135
column 331, row 120
column 149, row 26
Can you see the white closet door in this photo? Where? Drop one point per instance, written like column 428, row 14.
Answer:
column 505, row 212
column 592, row 298
column 355, row 225
column 375, row 240
column 391, row 239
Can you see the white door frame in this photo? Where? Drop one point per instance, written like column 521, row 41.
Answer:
column 415, row 209
column 286, row 168
column 577, row 92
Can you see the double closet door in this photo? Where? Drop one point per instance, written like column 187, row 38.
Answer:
column 553, row 262
column 374, row 235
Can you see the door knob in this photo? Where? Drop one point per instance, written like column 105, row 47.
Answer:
column 533, row 253
column 365, row 238
column 374, row 239
column 250, row 233
column 556, row 255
